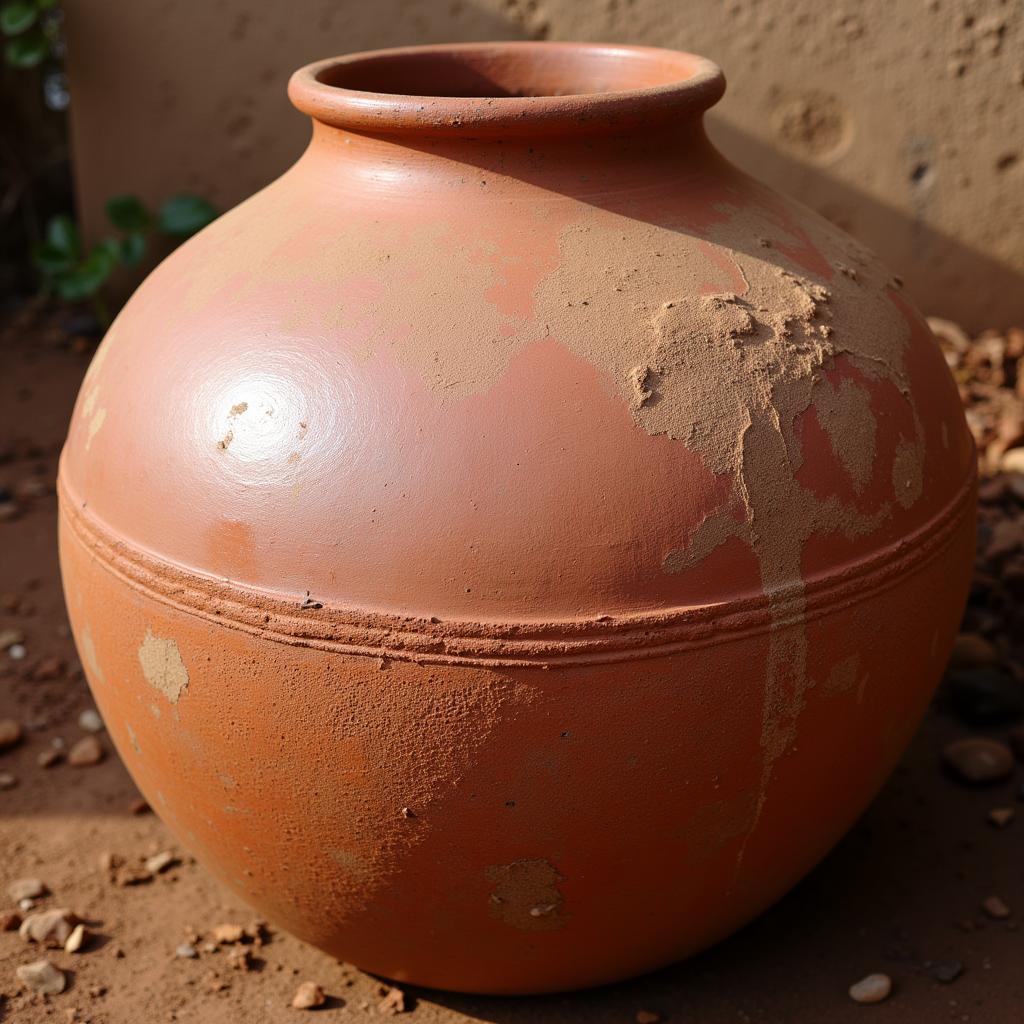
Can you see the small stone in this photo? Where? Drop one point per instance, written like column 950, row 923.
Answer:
column 10, row 637
column 226, row 934
column 90, row 721
column 1000, row 817
column 186, row 951
column 17, row 651
column 10, row 733
column 10, row 921
column 985, row 696
column 160, row 862
column 47, row 670
column 971, row 650
column 77, row 939
column 872, row 989
column 26, row 889
column 240, row 959
column 647, row 1017
column 393, row 1003
column 995, row 908
column 978, row 761
column 308, row 995
column 109, row 861
column 7, row 780
column 130, row 874
column 945, row 971
column 86, row 752
column 138, row 807
column 49, row 757
column 42, row 977
column 49, row 927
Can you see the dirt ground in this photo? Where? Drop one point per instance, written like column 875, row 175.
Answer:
column 902, row 894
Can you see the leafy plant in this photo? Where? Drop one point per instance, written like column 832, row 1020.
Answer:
column 32, row 28
column 75, row 275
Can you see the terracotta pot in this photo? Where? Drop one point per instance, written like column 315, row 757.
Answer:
column 513, row 547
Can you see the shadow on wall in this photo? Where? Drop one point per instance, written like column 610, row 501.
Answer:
column 942, row 275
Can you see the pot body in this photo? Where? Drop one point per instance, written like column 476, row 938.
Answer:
column 511, row 559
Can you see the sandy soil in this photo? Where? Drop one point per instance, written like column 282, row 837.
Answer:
column 902, row 894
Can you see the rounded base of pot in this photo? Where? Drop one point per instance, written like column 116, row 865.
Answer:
column 500, row 810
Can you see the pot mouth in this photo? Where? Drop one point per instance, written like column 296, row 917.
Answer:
column 518, row 88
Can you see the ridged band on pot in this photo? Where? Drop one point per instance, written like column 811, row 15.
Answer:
column 301, row 620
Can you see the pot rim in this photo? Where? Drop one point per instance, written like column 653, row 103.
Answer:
column 601, row 88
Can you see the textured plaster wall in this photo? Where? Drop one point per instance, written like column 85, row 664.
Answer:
column 901, row 120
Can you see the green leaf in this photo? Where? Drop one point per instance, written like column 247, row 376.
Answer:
column 16, row 17
column 128, row 214
column 133, row 248
column 52, row 261
column 184, row 215
column 62, row 234
column 91, row 274
column 28, row 50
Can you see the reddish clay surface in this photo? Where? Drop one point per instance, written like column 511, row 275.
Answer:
column 515, row 524
column 902, row 890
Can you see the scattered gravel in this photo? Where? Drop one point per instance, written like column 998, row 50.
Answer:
column 872, row 989
column 90, row 721
column 10, row 733
column 42, row 977
column 86, row 752
column 308, row 995
column 26, row 889
column 978, row 760
column 995, row 908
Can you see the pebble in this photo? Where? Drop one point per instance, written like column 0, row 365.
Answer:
column 160, row 862
column 17, row 651
column 872, row 989
column 308, row 995
column 49, row 757
column 26, row 904
column 7, row 780
column 26, row 889
column 240, row 959
column 186, row 951
column 978, row 761
column 1000, row 817
column 10, row 733
column 90, row 721
column 42, row 977
column 138, row 807
column 985, row 696
column 995, row 908
column 49, row 927
column 393, row 1003
column 85, row 752
column 228, row 933
column 77, row 939
column 971, row 650
column 945, row 971
column 10, row 637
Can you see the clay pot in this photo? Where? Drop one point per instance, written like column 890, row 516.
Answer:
column 512, row 548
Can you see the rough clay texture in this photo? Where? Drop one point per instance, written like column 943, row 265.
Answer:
column 901, row 123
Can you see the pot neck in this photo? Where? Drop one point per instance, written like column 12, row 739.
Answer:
column 569, row 116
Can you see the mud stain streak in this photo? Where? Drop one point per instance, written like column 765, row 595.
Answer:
column 162, row 666
column 526, row 895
